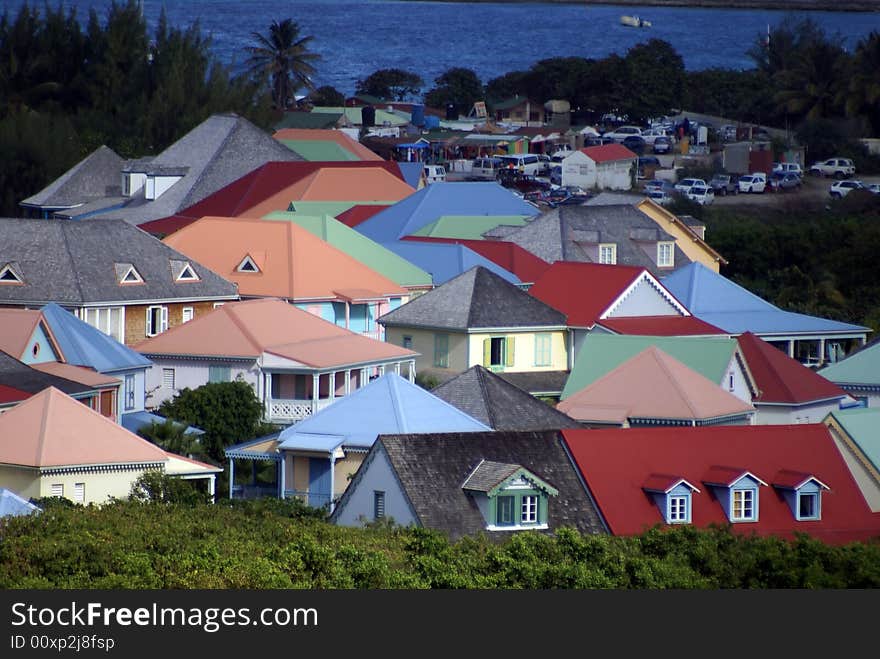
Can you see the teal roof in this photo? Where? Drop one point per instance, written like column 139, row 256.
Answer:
column 320, row 150
column 601, row 353
column 395, row 118
column 308, row 120
column 859, row 368
column 388, row 405
column 331, row 208
column 862, row 427
column 359, row 247
column 470, row 227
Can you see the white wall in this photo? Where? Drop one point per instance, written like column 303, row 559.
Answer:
column 377, row 475
column 614, row 175
column 578, row 170
column 189, row 373
column 781, row 414
column 644, row 300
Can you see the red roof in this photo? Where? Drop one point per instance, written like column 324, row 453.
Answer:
column 616, row 464
column 509, row 256
column 583, row 291
column 661, row 326
column 608, row 152
column 12, row 395
column 360, row 213
column 781, row 379
column 166, row 225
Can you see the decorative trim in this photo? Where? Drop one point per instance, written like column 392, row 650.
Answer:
column 100, row 468
column 8, row 275
column 248, row 265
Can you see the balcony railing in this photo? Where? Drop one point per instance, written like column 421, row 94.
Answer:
column 292, row 409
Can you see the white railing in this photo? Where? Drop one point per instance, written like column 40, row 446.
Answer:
column 280, row 409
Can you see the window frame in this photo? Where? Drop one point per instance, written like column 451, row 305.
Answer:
column 128, row 391
column 817, row 506
column 378, row 504
column 669, row 261
column 150, row 329
column 165, row 373
column 750, row 499
column 441, row 350
column 187, row 311
column 224, row 370
column 543, row 349
column 612, row 247
column 678, row 509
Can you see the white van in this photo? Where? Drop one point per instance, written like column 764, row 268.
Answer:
column 486, row 168
column 435, row 173
column 526, row 163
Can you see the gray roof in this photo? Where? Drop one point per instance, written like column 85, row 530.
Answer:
column 74, row 263
column 488, row 474
column 548, row 383
column 475, row 299
column 499, row 404
column 19, row 375
column 570, row 233
column 432, row 467
column 97, row 176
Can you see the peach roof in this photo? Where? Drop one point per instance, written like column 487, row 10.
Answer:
column 51, row 429
column 656, row 386
column 325, row 135
column 178, row 464
column 17, row 327
column 294, row 263
column 81, row 374
column 336, row 184
column 254, row 327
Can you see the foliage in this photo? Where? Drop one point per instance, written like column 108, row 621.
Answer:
column 427, row 380
column 159, row 487
column 657, row 72
column 172, row 437
column 458, row 86
column 391, row 85
column 282, row 59
column 228, row 412
column 327, row 96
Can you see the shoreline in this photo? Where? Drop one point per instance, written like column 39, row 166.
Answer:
column 860, row 6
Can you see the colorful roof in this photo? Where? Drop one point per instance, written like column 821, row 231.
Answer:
column 303, row 138
column 443, row 199
column 858, row 368
column 388, row 405
column 12, row 505
column 469, row 226
column 361, row 248
column 587, row 292
column 74, row 373
column 861, row 425
column 17, row 327
column 19, row 377
column 249, row 329
column 601, row 353
column 445, row 261
column 616, row 464
column 719, row 301
column 10, row 394
column 292, row 263
column 660, row 326
column 781, row 379
column 652, row 386
column 507, row 255
column 358, row 213
column 608, row 152
column 52, row 429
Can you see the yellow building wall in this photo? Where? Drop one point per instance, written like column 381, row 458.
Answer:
column 99, row 487
column 297, row 471
column 24, row 482
column 524, row 351
column 693, row 249
column 423, row 343
column 345, row 471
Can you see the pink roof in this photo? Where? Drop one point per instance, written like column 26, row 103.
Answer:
column 652, row 385
column 583, row 291
column 617, row 463
column 249, row 329
column 608, row 152
column 660, row 326
column 52, row 429
column 328, row 135
column 16, row 329
column 509, row 256
column 81, row 374
column 781, row 379
column 294, row 263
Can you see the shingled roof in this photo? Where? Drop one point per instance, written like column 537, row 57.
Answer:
column 475, row 299
column 500, row 404
column 431, row 469
column 94, row 177
column 27, row 381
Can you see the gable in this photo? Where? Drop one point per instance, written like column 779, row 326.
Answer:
column 645, row 298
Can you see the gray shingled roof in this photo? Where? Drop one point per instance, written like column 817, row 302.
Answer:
column 432, row 467
column 19, row 375
column 499, row 404
column 488, row 474
column 96, row 176
column 565, row 233
column 550, row 383
column 74, row 263
column 475, row 299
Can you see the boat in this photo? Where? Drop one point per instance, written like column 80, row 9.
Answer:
column 634, row 21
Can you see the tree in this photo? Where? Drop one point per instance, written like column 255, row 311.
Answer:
column 159, row 487
column 283, row 59
column 459, row 86
column 172, row 436
column 811, row 88
column 328, row 96
column 391, row 84
column 656, row 78
column 507, row 86
column 863, row 90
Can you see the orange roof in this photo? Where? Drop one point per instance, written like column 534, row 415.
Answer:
column 294, row 263
column 16, row 329
column 336, row 184
column 81, row 374
column 325, row 135
column 254, row 327
column 608, row 152
column 51, row 429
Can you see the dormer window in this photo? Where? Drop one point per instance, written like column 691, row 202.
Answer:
column 737, row 492
column 184, row 272
column 509, row 496
column 608, row 253
column 127, row 274
column 672, row 496
column 247, row 265
column 802, row 492
column 665, row 254
column 9, row 276
column 744, row 504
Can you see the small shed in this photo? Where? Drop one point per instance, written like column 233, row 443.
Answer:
column 606, row 167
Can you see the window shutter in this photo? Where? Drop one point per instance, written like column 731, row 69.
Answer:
column 79, row 492
column 150, row 331
column 57, row 490
column 163, row 324
column 487, row 352
column 508, row 350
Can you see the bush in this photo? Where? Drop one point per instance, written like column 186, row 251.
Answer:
column 159, row 487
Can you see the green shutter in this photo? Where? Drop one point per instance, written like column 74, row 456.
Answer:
column 508, row 351
column 487, row 352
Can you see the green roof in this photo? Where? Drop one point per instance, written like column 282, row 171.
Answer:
column 359, row 247
column 308, row 120
column 470, row 227
column 331, row 208
column 509, row 103
column 862, row 367
column 861, row 425
column 602, row 353
column 319, row 150
column 354, row 115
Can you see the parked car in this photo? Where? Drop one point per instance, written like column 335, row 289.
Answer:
column 840, row 189
column 622, row 132
column 556, row 175
column 873, row 187
column 598, row 140
column 754, row 182
column 485, row 169
column 561, row 151
column 659, row 184
column 788, row 168
column 435, row 173
column 781, row 181
column 836, row 167
column 525, row 163
column 702, row 194
column 722, row 184
column 650, row 135
column 634, row 143
column 516, row 180
column 659, row 195
column 646, row 161
column 686, row 184
column 662, row 144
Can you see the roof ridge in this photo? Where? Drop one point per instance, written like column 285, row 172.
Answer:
column 213, row 156
column 395, row 403
column 664, row 366
column 481, row 380
column 230, row 312
column 76, row 272
column 476, row 270
column 290, row 256
column 252, row 182
column 44, row 423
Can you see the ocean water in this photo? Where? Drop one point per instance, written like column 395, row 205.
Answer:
column 356, row 38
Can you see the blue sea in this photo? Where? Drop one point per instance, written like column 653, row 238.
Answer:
column 356, row 38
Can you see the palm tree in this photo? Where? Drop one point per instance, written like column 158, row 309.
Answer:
column 283, row 58
column 863, row 92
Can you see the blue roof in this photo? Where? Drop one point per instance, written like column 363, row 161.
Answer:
column 134, row 421
column 13, row 505
column 445, row 261
column 720, row 302
column 440, row 199
column 85, row 345
column 412, row 173
column 388, row 405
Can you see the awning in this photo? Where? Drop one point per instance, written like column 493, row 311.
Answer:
column 360, row 295
column 304, row 441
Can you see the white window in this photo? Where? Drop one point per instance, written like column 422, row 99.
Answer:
column 157, row 320
column 608, row 253
column 542, row 349
column 529, row 509
column 79, row 492
column 57, row 490
column 679, row 509
column 168, row 378
column 187, row 314
column 8, row 276
column 131, row 276
column 665, row 254
column 743, row 506
column 129, row 392
column 217, row 305
column 187, row 274
column 107, row 319
column 808, row 505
